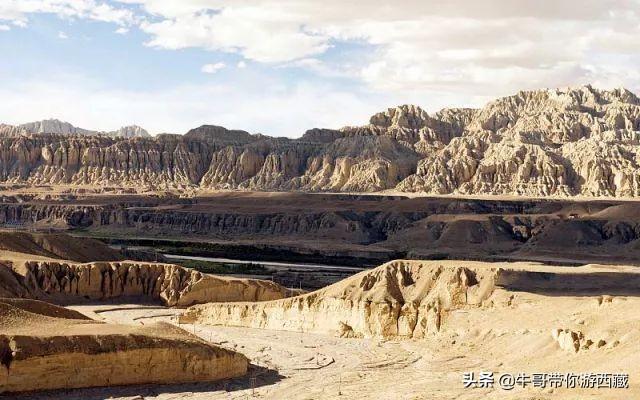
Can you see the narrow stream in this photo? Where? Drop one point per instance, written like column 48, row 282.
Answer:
column 269, row 264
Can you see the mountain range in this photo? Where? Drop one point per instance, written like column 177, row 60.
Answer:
column 579, row 141
column 57, row 127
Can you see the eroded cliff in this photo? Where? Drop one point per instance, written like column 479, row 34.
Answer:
column 170, row 284
column 408, row 299
column 411, row 299
column 555, row 142
column 47, row 347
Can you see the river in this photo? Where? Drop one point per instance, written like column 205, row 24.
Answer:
column 274, row 265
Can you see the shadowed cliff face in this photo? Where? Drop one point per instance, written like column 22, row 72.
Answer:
column 324, row 228
column 579, row 141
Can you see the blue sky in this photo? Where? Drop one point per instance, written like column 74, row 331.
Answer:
column 281, row 67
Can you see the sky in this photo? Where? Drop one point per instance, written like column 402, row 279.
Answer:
column 280, row 67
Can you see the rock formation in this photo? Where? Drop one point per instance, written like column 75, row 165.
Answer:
column 411, row 299
column 172, row 285
column 405, row 299
column 53, row 126
column 341, row 229
column 47, row 347
column 57, row 127
column 346, row 229
column 12, row 284
column 130, row 131
column 556, row 142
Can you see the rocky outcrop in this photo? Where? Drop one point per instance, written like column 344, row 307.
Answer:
column 214, row 134
column 574, row 341
column 556, row 142
column 130, row 131
column 53, row 126
column 12, row 284
column 405, row 299
column 57, row 127
column 47, row 347
column 170, row 284
column 540, row 143
column 169, row 162
column 417, row 299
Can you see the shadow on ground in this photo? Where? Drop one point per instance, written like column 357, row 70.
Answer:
column 571, row 284
column 256, row 377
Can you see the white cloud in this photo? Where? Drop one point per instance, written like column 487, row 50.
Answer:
column 62, row 35
column 212, row 68
column 431, row 52
column 242, row 64
column 257, row 33
column 18, row 11
column 90, row 105
column 122, row 31
column 415, row 44
column 488, row 47
column 5, row 27
column 323, row 69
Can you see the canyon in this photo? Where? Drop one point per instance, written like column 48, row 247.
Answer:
column 408, row 327
column 44, row 345
column 504, row 238
column 211, row 337
column 342, row 229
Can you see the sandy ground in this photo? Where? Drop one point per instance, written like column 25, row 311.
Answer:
column 512, row 337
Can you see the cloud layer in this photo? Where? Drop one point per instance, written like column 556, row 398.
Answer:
column 465, row 50
column 273, row 110
column 462, row 46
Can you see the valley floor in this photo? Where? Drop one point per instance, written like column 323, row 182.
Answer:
column 513, row 337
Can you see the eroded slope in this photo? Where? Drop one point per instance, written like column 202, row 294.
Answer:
column 552, row 142
column 48, row 347
column 170, row 284
column 411, row 298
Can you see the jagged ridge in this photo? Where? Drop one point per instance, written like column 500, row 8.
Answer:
column 556, row 142
column 400, row 298
column 410, row 298
column 170, row 284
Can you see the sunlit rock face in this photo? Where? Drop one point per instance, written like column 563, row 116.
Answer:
column 398, row 299
column 44, row 347
column 169, row 284
column 556, row 142
column 413, row 299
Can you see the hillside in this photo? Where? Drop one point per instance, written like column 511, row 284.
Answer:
column 35, row 336
column 556, row 142
column 414, row 299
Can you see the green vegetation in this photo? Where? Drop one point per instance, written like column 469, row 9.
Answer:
column 242, row 251
column 211, row 267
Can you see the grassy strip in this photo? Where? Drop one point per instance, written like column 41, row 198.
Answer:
column 212, row 267
column 256, row 252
